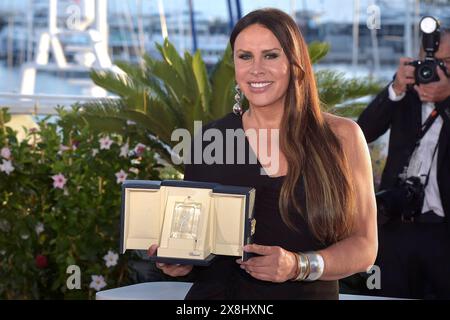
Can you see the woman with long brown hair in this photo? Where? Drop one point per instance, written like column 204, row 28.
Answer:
column 315, row 211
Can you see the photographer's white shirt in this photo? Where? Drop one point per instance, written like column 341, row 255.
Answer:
column 423, row 159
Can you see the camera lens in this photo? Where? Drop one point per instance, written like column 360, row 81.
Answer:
column 426, row 73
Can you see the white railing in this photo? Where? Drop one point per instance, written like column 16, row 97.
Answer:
column 41, row 104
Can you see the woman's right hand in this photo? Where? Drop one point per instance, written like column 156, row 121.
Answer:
column 173, row 270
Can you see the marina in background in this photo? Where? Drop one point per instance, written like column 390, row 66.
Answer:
column 132, row 29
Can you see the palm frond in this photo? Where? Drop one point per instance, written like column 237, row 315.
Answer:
column 334, row 88
column 222, row 82
column 317, row 51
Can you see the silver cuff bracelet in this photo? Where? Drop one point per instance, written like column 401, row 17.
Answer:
column 316, row 266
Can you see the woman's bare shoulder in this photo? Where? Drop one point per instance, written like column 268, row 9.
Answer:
column 345, row 129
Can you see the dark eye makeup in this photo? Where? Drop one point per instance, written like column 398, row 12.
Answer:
column 247, row 56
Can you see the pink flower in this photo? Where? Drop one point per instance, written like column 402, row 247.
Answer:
column 139, row 149
column 105, row 143
column 59, row 181
column 5, row 153
column 63, row 148
column 121, row 176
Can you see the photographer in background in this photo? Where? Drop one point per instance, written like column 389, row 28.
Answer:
column 414, row 201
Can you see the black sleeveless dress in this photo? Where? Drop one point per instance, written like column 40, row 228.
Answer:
column 224, row 279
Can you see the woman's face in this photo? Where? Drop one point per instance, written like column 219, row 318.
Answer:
column 261, row 66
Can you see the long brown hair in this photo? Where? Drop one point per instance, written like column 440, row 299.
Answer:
column 311, row 148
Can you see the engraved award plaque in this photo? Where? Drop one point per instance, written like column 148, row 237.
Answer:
column 186, row 216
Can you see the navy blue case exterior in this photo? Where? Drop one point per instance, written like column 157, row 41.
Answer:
column 195, row 262
column 217, row 188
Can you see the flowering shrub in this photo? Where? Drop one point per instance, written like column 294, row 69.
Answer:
column 60, row 206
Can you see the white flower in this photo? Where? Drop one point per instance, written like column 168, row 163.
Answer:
column 39, row 228
column 5, row 153
column 97, row 283
column 121, row 176
column 2, row 252
column 24, row 236
column 134, row 170
column 105, row 143
column 6, row 167
column 131, row 123
column 94, row 152
column 124, row 150
column 111, row 259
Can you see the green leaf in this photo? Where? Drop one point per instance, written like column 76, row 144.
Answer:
column 5, row 117
column 318, row 50
column 173, row 59
column 223, row 83
column 203, row 85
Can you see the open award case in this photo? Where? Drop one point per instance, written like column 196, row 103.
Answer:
column 190, row 221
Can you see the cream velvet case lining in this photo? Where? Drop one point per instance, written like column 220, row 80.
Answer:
column 190, row 221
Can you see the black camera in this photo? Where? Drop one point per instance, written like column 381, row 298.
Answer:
column 426, row 70
column 405, row 200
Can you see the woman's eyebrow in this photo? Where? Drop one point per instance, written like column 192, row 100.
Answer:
column 264, row 51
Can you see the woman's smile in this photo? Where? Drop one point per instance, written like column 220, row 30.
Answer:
column 260, row 86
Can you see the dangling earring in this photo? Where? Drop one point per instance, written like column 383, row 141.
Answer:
column 237, row 108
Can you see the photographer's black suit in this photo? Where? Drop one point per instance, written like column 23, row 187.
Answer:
column 412, row 256
column 404, row 118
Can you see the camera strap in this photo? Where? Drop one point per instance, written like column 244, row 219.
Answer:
column 431, row 165
column 427, row 124
column 423, row 130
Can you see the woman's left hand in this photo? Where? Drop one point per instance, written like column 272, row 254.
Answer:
column 274, row 264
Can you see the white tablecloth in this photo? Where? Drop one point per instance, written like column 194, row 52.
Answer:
column 177, row 291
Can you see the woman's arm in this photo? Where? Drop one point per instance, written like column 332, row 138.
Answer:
column 357, row 252
column 346, row 257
